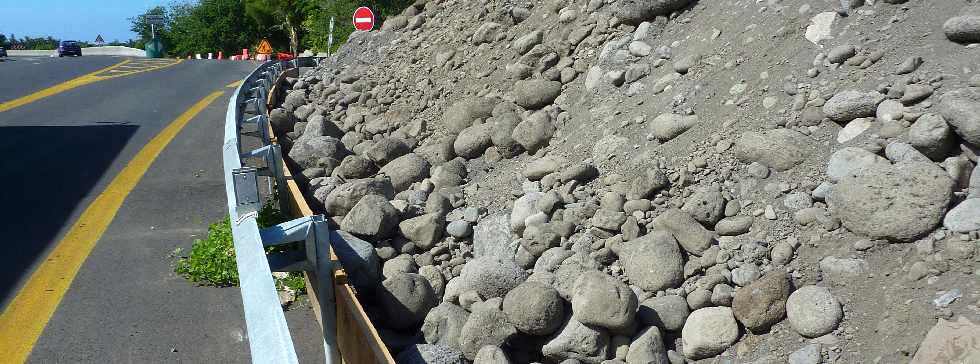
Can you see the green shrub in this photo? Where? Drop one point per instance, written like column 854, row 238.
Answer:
column 212, row 261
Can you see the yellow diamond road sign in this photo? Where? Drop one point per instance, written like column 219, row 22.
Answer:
column 264, row 47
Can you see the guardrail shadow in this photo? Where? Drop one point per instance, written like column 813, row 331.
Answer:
column 47, row 172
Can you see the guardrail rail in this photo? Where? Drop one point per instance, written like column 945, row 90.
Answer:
column 337, row 309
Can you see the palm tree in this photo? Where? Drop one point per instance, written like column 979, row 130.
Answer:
column 283, row 14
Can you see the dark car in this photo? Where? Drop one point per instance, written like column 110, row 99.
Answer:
column 3, row 52
column 69, row 48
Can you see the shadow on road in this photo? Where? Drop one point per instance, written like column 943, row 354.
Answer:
column 47, row 172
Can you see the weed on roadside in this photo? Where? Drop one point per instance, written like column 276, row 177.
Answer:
column 211, row 261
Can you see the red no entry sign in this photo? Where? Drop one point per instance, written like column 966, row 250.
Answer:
column 363, row 18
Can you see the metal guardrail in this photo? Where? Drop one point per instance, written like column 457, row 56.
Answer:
column 268, row 333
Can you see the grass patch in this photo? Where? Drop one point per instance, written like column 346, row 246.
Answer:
column 211, row 261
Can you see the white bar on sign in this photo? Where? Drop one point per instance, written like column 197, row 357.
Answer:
column 362, row 20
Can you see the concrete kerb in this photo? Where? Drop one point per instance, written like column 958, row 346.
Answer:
column 88, row 51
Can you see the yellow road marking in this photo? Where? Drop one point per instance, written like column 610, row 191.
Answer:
column 234, row 84
column 110, row 72
column 29, row 312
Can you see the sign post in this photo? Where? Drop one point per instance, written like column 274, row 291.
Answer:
column 330, row 37
column 154, row 20
column 363, row 19
column 154, row 48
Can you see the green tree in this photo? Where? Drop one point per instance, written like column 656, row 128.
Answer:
column 145, row 31
column 287, row 15
column 210, row 26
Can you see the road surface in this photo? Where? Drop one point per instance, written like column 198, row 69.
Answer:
column 78, row 137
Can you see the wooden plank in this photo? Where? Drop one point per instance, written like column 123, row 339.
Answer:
column 357, row 338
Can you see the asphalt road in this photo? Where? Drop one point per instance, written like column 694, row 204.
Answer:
column 22, row 75
column 60, row 152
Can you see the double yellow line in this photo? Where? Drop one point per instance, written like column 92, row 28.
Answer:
column 27, row 314
column 25, row 317
column 124, row 68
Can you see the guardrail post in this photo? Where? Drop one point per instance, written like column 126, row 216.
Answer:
column 324, row 274
column 315, row 233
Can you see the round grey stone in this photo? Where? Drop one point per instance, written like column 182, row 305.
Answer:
column 406, row 299
column 534, row 308
column 901, row 202
column 709, row 332
column 813, row 311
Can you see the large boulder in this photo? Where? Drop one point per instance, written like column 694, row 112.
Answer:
column 669, row 126
column 523, row 207
column 850, row 160
column 491, row 355
column 501, row 134
column 780, row 149
column 307, row 152
column 473, row 141
column 437, row 150
column 965, row 217
column 430, row 354
column 463, row 113
column 706, row 205
column 653, row 262
column 318, row 125
column 693, row 237
column 813, row 311
column 443, row 325
column 964, row 28
column 535, row 132
column 576, row 341
column 849, row 105
column 762, row 303
column 487, row 325
column 931, row 135
column 653, row 180
column 637, row 11
column 492, row 239
column 359, row 259
column 668, row 312
column 708, row 332
column 425, row 231
column 343, row 198
column 372, row 217
column 897, row 202
column 961, row 108
column 449, row 174
column 647, row 348
column 491, row 277
column 534, row 308
column 536, row 93
column 406, row 299
column 406, row 170
column 598, row 299
column 355, row 166
column 387, row 149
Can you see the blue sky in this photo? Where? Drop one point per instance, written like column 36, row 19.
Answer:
column 72, row 19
